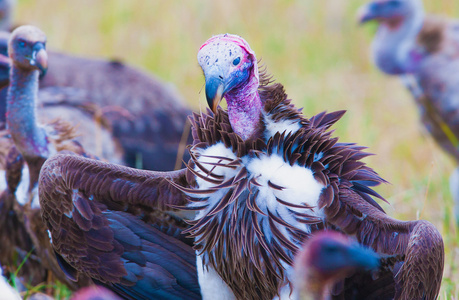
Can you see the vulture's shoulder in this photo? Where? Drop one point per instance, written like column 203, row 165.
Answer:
column 439, row 35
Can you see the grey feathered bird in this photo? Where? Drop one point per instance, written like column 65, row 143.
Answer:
column 424, row 50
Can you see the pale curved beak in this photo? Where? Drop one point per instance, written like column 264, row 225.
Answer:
column 40, row 57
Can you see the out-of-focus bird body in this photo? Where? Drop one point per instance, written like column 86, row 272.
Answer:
column 145, row 116
column 429, row 52
column 438, row 101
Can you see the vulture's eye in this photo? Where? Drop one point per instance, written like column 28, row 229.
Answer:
column 22, row 44
column 236, row 61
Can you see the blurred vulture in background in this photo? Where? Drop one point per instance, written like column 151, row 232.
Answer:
column 261, row 179
column 114, row 111
column 146, row 117
column 425, row 51
column 26, row 143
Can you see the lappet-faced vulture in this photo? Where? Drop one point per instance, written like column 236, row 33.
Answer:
column 326, row 258
column 261, row 179
column 424, row 49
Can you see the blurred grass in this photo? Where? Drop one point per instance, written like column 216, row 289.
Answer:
column 315, row 48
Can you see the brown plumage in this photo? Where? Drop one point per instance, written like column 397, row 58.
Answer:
column 95, row 231
column 249, row 212
column 432, row 35
column 124, row 187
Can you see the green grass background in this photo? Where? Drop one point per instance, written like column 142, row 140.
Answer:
column 314, row 47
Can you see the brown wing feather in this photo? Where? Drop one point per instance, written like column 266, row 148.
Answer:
column 415, row 247
column 83, row 204
column 117, row 185
column 422, row 270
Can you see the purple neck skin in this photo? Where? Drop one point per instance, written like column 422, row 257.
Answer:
column 244, row 108
column 30, row 139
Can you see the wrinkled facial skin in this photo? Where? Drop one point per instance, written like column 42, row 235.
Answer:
column 225, row 65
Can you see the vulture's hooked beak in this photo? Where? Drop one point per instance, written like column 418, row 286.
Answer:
column 368, row 12
column 215, row 89
column 361, row 257
column 40, row 57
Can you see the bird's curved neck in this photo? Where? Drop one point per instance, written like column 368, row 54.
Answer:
column 394, row 47
column 244, row 109
column 29, row 138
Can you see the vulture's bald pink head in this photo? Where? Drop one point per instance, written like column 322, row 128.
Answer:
column 231, row 71
column 329, row 256
column 390, row 12
column 228, row 62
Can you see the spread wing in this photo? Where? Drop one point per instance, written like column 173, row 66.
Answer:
column 413, row 251
column 91, row 208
